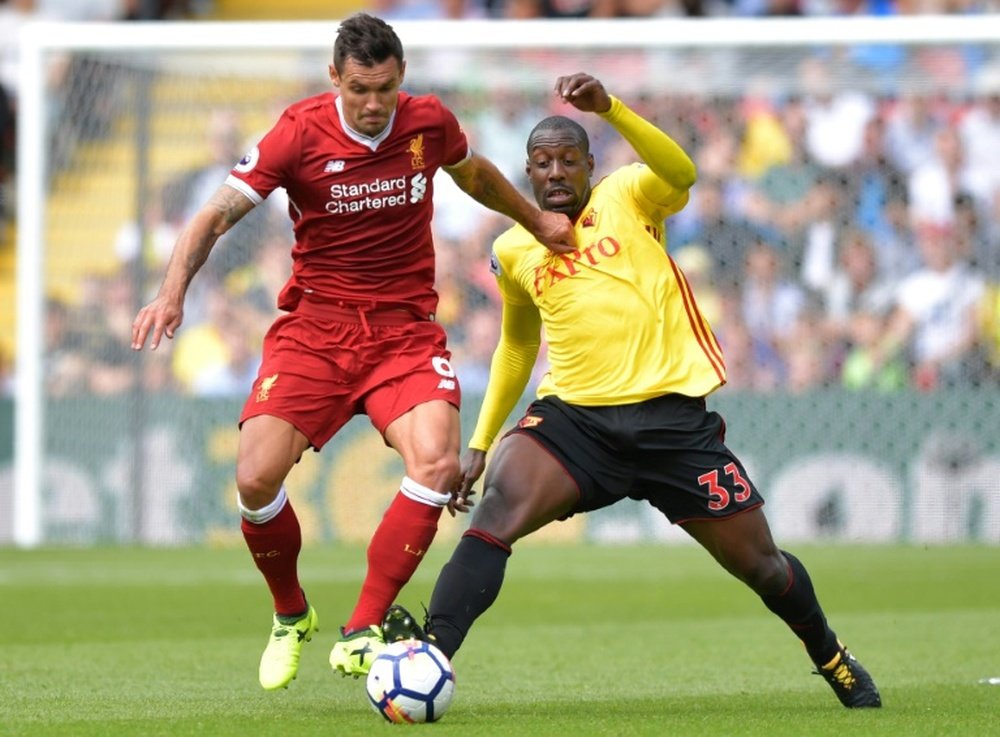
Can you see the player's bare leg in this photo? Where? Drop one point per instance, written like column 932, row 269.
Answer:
column 269, row 447
column 743, row 545
column 525, row 488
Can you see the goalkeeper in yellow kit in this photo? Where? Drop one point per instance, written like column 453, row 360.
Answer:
column 621, row 413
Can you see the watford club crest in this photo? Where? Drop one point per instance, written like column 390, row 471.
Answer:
column 529, row 421
column 589, row 220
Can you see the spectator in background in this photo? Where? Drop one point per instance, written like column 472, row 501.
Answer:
column 499, row 127
column 752, row 364
column 861, row 367
column 979, row 133
column 806, row 355
column 826, row 213
column 979, row 215
column 183, row 195
column 880, row 209
column 525, row 9
column 765, row 141
column 720, row 231
column 777, row 201
column 892, row 234
column 974, row 241
column 255, row 285
column 835, row 118
column 934, row 185
column 936, row 319
column 428, row 9
column 66, row 365
column 756, row 8
column 912, row 122
column 111, row 369
column 771, row 302
column 202, row 352
column 856, row 286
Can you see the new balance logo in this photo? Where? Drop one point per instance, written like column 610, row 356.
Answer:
column 333, row 166
column 448, row 384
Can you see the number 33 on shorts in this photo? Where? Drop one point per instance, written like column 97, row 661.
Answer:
column 719, row 496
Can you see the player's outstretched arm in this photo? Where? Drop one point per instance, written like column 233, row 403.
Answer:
column 165, row 313
column 667, row 161
column 478, row 177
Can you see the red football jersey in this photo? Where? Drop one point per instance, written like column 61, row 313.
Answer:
column 361, row 206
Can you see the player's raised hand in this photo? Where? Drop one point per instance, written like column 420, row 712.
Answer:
column 584, row 92
column 162, row 316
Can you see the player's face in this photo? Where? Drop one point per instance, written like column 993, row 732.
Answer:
column 559, row 172
column 368, row 95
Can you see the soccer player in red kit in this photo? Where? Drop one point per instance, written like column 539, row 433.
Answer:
column 359, row 336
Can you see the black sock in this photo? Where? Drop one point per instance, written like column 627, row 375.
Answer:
column 799, row 608
column 468, row 585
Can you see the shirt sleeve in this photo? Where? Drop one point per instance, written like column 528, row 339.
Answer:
column 456, row 143
column 265, row 167
column 513, row 360
column 670, row 172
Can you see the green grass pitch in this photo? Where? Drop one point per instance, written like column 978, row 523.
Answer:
column 584, row 640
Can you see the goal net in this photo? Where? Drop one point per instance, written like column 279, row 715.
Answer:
column 841, row 162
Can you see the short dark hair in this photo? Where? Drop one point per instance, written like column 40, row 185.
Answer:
column 561, row 123
column 366, row 39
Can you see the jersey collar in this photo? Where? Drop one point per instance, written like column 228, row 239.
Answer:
column 371, row 142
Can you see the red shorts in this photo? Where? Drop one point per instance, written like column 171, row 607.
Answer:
column 317, row 373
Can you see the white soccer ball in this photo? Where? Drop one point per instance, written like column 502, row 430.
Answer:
column 411, row 681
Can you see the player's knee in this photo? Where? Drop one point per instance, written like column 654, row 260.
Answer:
column 256, row 489
column 503, row 514
column 438, row 473
column 765, row 574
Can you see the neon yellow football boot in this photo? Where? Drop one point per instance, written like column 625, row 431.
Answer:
column 353, row 654
column 280, row 662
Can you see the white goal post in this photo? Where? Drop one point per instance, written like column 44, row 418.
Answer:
column 196, row 43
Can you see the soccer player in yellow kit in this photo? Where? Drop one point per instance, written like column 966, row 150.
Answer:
column 622, row 411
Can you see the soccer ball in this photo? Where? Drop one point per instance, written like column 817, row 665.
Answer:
column 411, row 681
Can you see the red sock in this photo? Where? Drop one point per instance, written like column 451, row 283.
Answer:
column 275, row 546
column 395, row 551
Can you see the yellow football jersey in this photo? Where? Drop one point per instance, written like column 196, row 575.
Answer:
column 620, row 320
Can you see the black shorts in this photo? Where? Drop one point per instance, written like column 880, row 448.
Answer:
column 669, row 450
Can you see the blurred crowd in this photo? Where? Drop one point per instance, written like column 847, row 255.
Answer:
column 836, row 237
column 525, row 9
column 832, row 240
